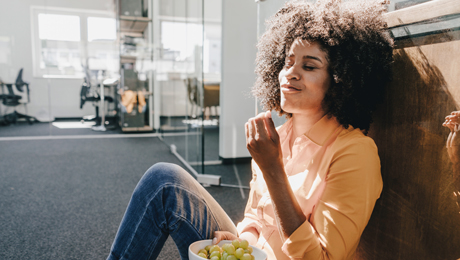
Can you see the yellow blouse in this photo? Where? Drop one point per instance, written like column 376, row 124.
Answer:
column 335, row 175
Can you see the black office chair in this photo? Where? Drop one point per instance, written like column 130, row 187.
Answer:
column 86, row 95
column 12, row 100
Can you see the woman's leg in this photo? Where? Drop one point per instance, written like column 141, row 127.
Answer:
column 167, row 201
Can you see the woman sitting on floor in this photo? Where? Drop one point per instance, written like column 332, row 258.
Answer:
column 317, row 177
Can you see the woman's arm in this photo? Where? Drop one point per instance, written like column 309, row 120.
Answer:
column 263, row 143
column 249, row 227
column 353, row 185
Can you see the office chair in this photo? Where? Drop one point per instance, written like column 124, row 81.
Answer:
column 13, row 100
column 210, row 97
column 193, row 95
column 87, row 96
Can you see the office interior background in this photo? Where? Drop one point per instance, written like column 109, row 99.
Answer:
column 94, row 92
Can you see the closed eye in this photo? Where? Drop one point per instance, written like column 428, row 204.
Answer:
column 309, row 67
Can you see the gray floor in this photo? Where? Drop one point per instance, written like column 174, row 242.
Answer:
column 64, row 198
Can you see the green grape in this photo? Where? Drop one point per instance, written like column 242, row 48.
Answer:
column 224, row 256
column 248, row 250
column 224, row 246
column 214, row 248
column 207, row 248
column 246, row 257
column 215, row 253
column 253, row 257
column 236, row 243
column 217, row 258
column 230, row 250
column 232, row 257
column 203, row 255
column 239, row 252
column 244, row 244
column 203, row 251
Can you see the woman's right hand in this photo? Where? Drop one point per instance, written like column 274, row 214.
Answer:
column 222, row 235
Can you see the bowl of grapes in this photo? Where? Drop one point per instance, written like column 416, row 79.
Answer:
column 225, row 250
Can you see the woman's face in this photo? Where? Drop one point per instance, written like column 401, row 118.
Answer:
column 304, row 79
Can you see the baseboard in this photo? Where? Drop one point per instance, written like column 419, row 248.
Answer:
column 235, row 160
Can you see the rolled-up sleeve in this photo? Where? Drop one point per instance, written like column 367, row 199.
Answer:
column 353, row 184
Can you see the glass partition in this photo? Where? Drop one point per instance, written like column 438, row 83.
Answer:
column 73, row 54
column 179, row 77
column 187, row 77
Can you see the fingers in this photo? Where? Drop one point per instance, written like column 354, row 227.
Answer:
column 255, row 129
column 223, row 235
column 249, row 130
column 261, row 132
column 452, row 121
column 246, row 130
column 270, row 126
column 217, row 237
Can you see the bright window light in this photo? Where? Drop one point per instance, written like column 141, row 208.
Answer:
column 59, row 27
column 101, row 29
column 180, row 37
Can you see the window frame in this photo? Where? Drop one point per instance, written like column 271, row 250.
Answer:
column 84, row 14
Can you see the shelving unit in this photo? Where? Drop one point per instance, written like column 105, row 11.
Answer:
column 134, row 25
column 135, row 47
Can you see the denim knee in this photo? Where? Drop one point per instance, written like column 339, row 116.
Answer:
column 161, row 174
column 166, row 172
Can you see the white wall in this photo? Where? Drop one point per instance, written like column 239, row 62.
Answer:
column 239, row 38
column 63, row 98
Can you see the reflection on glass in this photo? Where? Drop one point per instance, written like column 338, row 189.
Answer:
column 187, row 66
column 453, row 149
column 417, row 212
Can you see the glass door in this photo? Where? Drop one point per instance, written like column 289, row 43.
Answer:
column 179, row 78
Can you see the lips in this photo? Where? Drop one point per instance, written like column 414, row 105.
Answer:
column 289, row 88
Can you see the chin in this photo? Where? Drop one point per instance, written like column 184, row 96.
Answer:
column 288, row 105
column 286, row 108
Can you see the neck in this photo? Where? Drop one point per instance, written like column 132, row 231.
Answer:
column 301, row 123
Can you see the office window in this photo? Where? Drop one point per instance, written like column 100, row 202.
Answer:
column 59, row 27
column 182, row 44
column 180, row 39
column 103, row 29
column 67, row 42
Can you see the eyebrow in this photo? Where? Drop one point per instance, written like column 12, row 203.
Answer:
column 307, row 57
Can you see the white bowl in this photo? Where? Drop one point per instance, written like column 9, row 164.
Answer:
column 198, row 245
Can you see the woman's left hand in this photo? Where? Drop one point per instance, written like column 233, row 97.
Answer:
column 222, row 235
column 262, row 141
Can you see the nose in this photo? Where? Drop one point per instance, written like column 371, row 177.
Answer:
column 292, row 73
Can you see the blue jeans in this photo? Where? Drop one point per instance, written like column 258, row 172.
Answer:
column 167, row 201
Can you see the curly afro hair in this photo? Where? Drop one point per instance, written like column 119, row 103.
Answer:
column 358, row 48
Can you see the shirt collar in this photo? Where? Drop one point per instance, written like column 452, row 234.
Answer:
column 320, row 132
